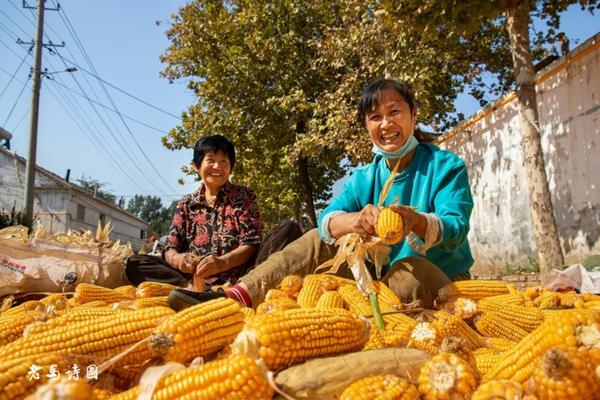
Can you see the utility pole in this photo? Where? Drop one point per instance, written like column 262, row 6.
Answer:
column 35, row 104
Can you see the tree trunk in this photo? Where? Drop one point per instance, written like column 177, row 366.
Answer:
column 306, row 191
column 546, row 235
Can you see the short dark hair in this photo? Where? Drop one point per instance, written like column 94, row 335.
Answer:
column 371, row 96
column 213, row 143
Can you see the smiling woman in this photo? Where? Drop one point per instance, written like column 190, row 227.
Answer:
column 216, row 234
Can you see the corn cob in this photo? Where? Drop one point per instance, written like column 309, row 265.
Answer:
column 102, row 337
column 32, row 305
column 499, row 389
column 499, row 345
column 358, row 303
column 389, row 226
column 12, row 326
column 486, row 360
column 126, row 290
column 274, row 294
column 566, row 329
column 153, row 289
column 461, row 307
column 276, row 305
column 329, row 283
column 425, row 337
column 447, row 324
column 386, row 296
column 67, row 319
column 310, row 292
column 376, row 340
column 85, row 292
column 248, row 313
column 547, row 300
column 389, row 387
column 234, row 377
column 399, row 321
column 144, row 302
column 291, row 285
column 592, row 305
column 590, row 297
column 90, row 304
column 524, row 317
column 17, row 378
column 533, row 292
column 460, row 347
column 198, row 331
column 472, row 289
column 330, row 299
column 288, row 337
column 7, row 303
column 494, row 325
column 103, row 394
column 446, row 376
column 563, row 374
column 511, row 298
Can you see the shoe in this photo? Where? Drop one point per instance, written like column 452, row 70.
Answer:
column 180, row 299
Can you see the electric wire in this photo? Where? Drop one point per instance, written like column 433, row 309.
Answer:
column 13, row 75
column 16, row 101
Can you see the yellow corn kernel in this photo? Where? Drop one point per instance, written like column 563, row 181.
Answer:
column 460, row 347
column 12, row 326
column 101, row 337
column 389, row 387
column 386, row 296
column 358, row 303
column 425, row 337
column 288, row 337
column 330, row 300
column 310, row 292
column 235, row 377
column 389, row 226
column 376, row 340
column 198, row 331
column 144, row 302
column 154, row 289
column 248, row 313
column 276, row 305
column 499, row 389
column 291, row 285
column 525, row 318
column 68, row 319
column 516, row 298
column 472, row 289
column 85, row 292
column 461, row 307
column 566, row 329
column 499, row 345
column 563, row 373
column 274, row 294
column 446, row 376
column 486, row 360
column 447, row 324
column 7, row 303
column 494, row 325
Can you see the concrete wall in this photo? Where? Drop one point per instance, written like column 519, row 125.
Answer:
column 569, row 110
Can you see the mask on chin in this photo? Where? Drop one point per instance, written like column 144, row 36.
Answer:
column 406, row 148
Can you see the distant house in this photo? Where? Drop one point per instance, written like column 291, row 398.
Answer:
column 61, row 205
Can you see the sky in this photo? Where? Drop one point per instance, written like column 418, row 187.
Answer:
column 115, row 138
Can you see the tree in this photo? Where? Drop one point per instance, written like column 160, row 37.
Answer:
column 95, row 187
column 151, row 210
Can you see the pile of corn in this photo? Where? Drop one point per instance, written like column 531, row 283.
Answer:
column 486, row 340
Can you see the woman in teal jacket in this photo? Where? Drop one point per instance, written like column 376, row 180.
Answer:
column 431, row 189
column 431, row 192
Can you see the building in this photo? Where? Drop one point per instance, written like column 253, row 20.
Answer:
column 61, row 205
column 568, row 101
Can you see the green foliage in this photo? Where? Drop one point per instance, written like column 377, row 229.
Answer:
column 12, row 218
column 95, row 187
column 151, row 210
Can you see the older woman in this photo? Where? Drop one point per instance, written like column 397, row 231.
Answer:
column 433, row 197
column 216, row 234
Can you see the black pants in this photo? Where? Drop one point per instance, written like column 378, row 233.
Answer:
column 143, row 267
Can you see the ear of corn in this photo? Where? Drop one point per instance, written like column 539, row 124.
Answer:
column 446, row 376
column 276, row 305
column 102, row 337
column 293, row 336
column 291, row 285
column 198, row 331
column 154, row 289
column 330, row 299
column 461, row 348
column 493, row 325
column 359, row 304
column 486, row 360
column 447, row 324
column 85, row 292
column 67, row 319
column 526, row 318
column 377, row 387
column 274, row 294
column 499, row 344
column 516, row 298
column 472, row 289
column 12, row 326
column 425, row 337
column 389, row 226
column 310, row 292
column 235, row 377
column 564, row 373
column 461, row 307
column 564, row 330
column 144, row 302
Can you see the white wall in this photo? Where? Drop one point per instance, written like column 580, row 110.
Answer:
column 569, row 111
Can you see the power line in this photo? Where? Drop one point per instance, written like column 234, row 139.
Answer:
column 121, row 90
column 10, row 48
column 13, row 75
column 21, row 120
column 16, row 101
column 73, row 33
column 11, row 20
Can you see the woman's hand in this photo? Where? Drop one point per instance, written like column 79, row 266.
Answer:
column 210, row 265
column 365, row 221
column 412, row 221
column 185, row 262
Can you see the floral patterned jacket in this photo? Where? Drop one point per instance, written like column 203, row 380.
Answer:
column 202, row 229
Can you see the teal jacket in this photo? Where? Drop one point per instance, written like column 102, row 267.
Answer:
column 436, row 182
